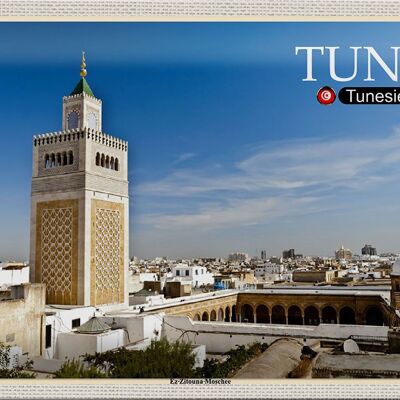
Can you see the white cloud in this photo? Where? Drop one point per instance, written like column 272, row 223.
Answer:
column 184, row 157
column 276, row 180
column 237, row 213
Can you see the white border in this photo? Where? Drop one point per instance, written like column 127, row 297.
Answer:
column 239, row 389
column 194, row 9
column 199, row 10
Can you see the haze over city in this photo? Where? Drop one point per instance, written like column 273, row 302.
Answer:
column 240, row 157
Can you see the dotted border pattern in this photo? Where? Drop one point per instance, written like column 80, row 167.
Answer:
column 348, row 389
column 287, row 389
column 137, row 8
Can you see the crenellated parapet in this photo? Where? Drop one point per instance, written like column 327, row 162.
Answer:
column 78, row 134
column 80, row 95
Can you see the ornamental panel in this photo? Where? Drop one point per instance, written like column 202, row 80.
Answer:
column 56, row 250
column 107, row 262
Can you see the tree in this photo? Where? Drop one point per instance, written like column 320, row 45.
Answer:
column 8, row 371
column 161, row 359
column 76, row 369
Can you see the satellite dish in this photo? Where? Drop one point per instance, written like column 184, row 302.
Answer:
column 350, row 346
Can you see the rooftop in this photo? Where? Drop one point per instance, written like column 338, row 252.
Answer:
column 387, row 364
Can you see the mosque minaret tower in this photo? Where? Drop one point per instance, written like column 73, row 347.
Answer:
column 80, row 207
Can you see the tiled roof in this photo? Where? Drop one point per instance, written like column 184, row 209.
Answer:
column 82, row 87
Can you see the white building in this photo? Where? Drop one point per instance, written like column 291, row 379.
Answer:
column 269, row 268
column 270, row 272
column 13, row 274
column 62, row 319
column 197, row 274
column 148, row 276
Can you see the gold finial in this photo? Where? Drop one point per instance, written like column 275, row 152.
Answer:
column 83, row 65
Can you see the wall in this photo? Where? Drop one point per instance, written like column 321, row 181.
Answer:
column 175, row 289
column 309, row 276
column 150, row 300
column 219, row 337
column 137, row 327
column 72, row 345
column 21, row 320
column 148, row 276
column 61, row 322
column 14, row 276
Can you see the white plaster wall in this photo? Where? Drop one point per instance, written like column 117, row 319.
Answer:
column 14, row 276
column 147, row 276
column 202, row 278
column 61, row 322
column 219, row 337
column 72, row 345
column 111, row 340
column 152, row 326
column 148, row 300
column 138, row 327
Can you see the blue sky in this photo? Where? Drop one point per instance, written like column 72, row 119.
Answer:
column 229, row 149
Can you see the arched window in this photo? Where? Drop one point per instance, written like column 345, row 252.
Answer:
column 262, row 314
column 52, row 160
column 204, row 317
column 213, row 315
column 70, row 157
column 116, row 166
column 233, row 317
column 58, row 160
column 107, row 162
column 220, row 314
column 247, row 314
column 91, row 121
column 278, row 315
column 103, row 160
column 329, row 315
column 97, row 158
column 64, row 158
column 347, row 316
column 112, row 164
column 227, row 314
column 196, row 317
column 294, row 316
column 47, row 161
column 311, row 316
column 73, row 119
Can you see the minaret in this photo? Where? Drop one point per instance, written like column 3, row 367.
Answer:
column 80, row 207
column 81, row 109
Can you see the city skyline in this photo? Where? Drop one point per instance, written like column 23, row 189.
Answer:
column 224, row 156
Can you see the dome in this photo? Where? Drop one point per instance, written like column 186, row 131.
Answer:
column 396, row 267
column 94, row 325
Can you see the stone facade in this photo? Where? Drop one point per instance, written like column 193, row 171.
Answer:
column 257, row 306
column 22, row 319
column 80, row 210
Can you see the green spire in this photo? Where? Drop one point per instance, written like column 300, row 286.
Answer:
column 82, row 87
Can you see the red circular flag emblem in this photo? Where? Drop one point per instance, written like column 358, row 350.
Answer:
column 326, row 95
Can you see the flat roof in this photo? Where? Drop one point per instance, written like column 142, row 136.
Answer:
column 382, row 291
column 326, row 290
column 365, row 362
